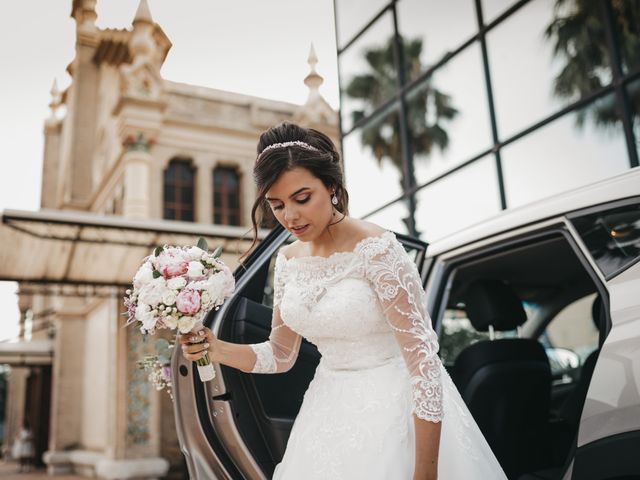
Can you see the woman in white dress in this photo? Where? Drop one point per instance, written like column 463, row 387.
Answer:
column 380, row 405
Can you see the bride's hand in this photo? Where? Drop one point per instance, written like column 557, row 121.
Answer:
column 195, row 344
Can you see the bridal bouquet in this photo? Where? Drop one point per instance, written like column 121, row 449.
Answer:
column 175, row 288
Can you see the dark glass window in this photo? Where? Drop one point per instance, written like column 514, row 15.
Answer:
column 179, row 191
column 368, row 72
column 226, row 196
column 612, row 236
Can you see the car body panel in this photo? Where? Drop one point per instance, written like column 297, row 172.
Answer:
column 614, row 188
column 613, row 399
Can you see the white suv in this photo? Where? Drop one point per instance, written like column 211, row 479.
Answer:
column 538, row 313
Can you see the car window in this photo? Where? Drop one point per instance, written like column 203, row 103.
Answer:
column 458, row 332
column 570, row 337
column 612, row 236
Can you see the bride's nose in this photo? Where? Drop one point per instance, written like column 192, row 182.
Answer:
column 290, row 213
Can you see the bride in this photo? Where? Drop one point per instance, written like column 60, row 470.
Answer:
column 381, row 404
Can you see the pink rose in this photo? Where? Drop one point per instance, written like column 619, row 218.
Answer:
column 188, row 301
column 172, row 262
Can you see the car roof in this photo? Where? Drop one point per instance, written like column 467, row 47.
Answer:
column 620, row 186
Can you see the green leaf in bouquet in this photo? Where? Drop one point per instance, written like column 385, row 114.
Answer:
column 157, row 251
column 202, row 244
column 161, row 345
column 156, row 274
column 217, row 252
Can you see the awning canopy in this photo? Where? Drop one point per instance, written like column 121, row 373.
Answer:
column 34, row 352
column 91, row 251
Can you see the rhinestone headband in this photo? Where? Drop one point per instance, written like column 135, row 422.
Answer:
column 292, row 143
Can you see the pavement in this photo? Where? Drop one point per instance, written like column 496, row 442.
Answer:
column 10, row 471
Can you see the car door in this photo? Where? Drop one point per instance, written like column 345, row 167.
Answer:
column 237, row 426
column 609, row 434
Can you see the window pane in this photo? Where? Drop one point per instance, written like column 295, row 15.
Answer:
column 353, row 15
column 612, row 236
column 373, row 164
column 573, row 329
column 169, row 213
column 430, row 31
column 562, row 155
column 169, row 193
column 186, row 195
column 529, row 81
column 493, row 8
column 633, row 94
column 368, row 75
column 448, row 115
column 182, row 171
column 626, row 15
column 458, row 200
column 392, row 217
column 233, row 200
column 232, row 179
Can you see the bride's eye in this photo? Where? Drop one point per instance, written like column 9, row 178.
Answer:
column 304, row 200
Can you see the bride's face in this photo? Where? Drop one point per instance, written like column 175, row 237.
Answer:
column 301, row 203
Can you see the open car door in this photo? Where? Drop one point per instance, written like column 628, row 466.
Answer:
column 237, row 425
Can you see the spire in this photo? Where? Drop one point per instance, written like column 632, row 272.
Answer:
column 143, row 14
column 313, row 80
column 56, row 99
column 316, row 109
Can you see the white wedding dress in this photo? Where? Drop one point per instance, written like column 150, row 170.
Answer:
column 365, row 310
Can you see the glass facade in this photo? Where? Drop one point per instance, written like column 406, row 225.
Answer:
column 453, row 111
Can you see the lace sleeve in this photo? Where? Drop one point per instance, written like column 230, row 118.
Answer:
column 398, row 287
column 280, row 351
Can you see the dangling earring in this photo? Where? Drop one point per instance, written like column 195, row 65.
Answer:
column 334, row 199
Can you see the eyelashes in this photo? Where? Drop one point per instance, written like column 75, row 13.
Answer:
column 279, row 207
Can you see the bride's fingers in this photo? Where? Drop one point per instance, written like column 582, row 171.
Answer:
column 194, row 352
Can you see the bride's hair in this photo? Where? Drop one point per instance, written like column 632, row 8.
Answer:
column 322, row 160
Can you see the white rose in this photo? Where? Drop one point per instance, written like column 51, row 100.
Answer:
column 205, row 298
column 176, row 283
column 170, row 321
column 169, row 297
column 149, row 322
column 152, row 292
column 196, row 269
column 215, row 288
column 143, row 276
column 195, row 253
column 186, row 324
column 141, row 310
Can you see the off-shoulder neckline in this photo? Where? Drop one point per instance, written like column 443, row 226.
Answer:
column 356, row 248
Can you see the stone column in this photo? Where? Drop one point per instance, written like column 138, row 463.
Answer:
column 204, row 190
column 137, row 177
column 66, row 389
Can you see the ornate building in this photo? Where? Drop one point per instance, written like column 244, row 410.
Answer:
column 134, row 145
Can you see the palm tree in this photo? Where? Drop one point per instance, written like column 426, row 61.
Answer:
column 427, row 108
column 578, row 32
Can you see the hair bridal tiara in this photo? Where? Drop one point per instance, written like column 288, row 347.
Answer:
column 296, row 143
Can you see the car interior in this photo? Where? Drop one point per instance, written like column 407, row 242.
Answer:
column 510, row 323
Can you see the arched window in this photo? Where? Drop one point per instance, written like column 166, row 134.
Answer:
column 226, row 196
column 179, row 191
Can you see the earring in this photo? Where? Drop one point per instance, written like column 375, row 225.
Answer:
column 334, row 199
